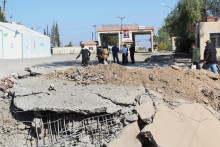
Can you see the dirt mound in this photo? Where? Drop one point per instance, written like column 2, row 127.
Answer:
column 195, row 85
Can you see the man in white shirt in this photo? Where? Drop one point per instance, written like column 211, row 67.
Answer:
column 124, row 54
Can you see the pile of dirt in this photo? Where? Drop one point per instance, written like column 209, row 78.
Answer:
column 196, row 85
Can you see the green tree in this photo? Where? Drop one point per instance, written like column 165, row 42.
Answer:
column 45, row 32
column 52, row 36
column 162, row 46
column 185, row 14
column 69, row 45
column 2, row 17
column 57, row 35
column 48, row 31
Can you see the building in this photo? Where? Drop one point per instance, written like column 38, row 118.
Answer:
column 91, row 46
column 18, row 42
column 207, row 29
column 125, row 34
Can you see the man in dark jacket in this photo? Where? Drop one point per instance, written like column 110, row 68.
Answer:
column 85, row 55
column 132, row 50
column 195, row 56
column 115, row 51
column 210, row 57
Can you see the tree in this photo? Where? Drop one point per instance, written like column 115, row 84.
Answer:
column 45, row 32
column 69, row 45
column 57, row 35
column 48, row 31
column 185, row 14
column 52, row 36
column 162, row 46
column 2, row 17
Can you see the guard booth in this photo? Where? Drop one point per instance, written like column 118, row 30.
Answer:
column 125, row 34
column 18, row 42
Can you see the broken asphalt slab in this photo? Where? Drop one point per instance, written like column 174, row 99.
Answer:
column 189, row 125
column 32, row 94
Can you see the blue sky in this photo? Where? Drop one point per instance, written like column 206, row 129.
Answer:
column 75, row 18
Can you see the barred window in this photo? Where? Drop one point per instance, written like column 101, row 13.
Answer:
column 215, row 38
column 90, row 48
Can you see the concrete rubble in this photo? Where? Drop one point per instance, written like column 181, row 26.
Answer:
column 80, row 108
column 189, row 125
column 86, row 100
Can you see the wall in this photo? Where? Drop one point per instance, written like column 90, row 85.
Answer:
column 66, row 50
column 93, row 51
column 205, row 29
column 35, row 44
column 17, row 42
column 10, row 43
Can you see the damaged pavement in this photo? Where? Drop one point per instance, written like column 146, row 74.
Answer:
column 87, row 107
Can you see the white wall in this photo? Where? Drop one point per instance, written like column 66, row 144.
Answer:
column 21, row 42
column 66, row 50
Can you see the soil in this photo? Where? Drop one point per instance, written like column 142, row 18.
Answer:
column 194, row 85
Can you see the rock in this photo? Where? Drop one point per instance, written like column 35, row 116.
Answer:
column 175, row 67
column 206, row 92
column 51, row 87
column 131, row 118
column 151, row 77
column 146, row 111
column 189, row 125
column 36, row 123
column 217, row 88
column 206, row 101
column 22, row 127
column 159, row 90
column 179, row 91
column 85, row 139
column 128, row 137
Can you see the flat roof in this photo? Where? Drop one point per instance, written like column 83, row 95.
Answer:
column 124, row 29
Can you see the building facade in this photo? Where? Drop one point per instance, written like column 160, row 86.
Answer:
column 18, row 42
column 207, row 29
column 125, row 34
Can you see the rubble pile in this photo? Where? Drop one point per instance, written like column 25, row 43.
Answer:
column 195, row 85
column 112, row 105
column 5, row 85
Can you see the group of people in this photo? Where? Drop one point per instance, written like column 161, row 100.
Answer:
column 210, row 58
column 115, row 51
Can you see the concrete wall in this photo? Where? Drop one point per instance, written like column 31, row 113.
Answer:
column 66, row 50
column 205, row 28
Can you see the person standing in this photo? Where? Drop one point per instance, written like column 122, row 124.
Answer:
column 124, row 54
column 132, row 50
column 195, row 56
column 99, row 53
column 85, row 55
column 115, row 51
column 210, row 57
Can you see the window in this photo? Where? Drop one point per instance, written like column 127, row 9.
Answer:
column 90, row 48
column 215, row 38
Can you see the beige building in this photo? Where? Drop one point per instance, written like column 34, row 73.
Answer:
column 207, row 29
column 91, row 46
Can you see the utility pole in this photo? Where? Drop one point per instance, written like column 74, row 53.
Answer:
column 95, row 31
column 92, row 36
column 121, row 30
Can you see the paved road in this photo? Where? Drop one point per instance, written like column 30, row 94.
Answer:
column 58, row 62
